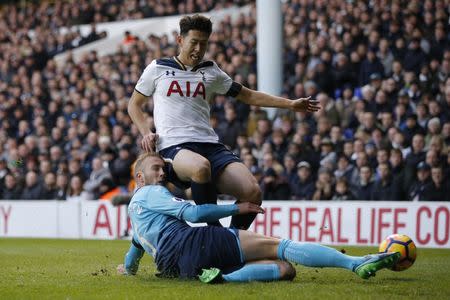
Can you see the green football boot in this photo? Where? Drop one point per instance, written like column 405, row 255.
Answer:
column 376, row 262
column 212, row 275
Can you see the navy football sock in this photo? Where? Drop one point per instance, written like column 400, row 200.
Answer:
column 242, row 221
column 204, row 193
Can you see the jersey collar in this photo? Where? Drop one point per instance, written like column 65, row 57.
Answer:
column 182, row 66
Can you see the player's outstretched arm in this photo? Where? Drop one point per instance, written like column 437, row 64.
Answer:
column 137, row 116
column 212, row 212
column 257, row 98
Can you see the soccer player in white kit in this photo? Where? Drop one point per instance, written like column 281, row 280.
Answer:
column 182, row 88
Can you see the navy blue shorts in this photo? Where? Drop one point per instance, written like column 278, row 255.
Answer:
column 217, row 154
column 200, row 248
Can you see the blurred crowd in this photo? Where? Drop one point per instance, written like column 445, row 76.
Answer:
column 380, row 70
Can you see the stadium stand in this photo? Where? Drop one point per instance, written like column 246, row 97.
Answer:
column 380, row 70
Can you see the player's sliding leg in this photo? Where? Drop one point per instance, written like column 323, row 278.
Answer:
column 266, row 270
column 132, row 259
column 190, row 166
column 315, row 255
column 237, row 181
column 256, row 247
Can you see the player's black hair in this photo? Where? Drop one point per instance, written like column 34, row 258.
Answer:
column 195, row 22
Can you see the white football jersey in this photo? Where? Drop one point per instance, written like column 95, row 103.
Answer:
column 181, row 98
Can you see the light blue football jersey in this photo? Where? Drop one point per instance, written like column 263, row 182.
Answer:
column 154, row 213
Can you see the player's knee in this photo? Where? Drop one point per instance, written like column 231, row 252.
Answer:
column 287, row 270
column 253, row 194
column 202, row 171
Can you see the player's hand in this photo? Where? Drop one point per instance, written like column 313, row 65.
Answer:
column 306, row 105
column 148, row 142
column 248, row 207
column 121, row 270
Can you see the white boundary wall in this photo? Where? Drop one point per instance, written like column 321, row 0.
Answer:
column 141, row 28
column 334, row 223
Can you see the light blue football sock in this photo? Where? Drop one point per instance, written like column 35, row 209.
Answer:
column 132, row 259
column 254, row 272
column 315, row 255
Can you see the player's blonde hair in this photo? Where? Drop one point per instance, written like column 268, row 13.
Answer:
column 139, row 164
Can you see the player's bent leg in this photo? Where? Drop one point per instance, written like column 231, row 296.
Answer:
column 237, row 181
column 191, row 166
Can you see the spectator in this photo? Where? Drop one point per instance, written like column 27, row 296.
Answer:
column 360, row 161
column 99, row 172
column 434, row 129
column 75, row 191
column 369, row 66
column 33, row 188
column 346, row 108
column 417, row 189
column 416, row 155
column 62, row 185
column 385, row 56
column 324, row 188
column 229, row 130
column 120, row 168
column 75, row 169
column 327, row 155
column 383, row 189
column 415, row 58
column 274, row 187
column 411, row 128
column 290, row 170
column 336, row 138
column 128, row 38
column 3, row 170
column 108, row 189
column 49, row 192
column 11, row 190
column 398, row 174
column 45, row 167
column 329, row 109
column 344, row 168
column 249, row 160
column 364, row 187
column 303, row 185
column 342, row 192
column 439, row 187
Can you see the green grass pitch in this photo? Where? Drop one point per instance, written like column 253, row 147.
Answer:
column 86, row 269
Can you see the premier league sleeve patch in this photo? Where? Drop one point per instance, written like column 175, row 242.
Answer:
column 176, row 199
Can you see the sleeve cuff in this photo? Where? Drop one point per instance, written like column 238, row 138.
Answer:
column 234, row 90
column 141, row 93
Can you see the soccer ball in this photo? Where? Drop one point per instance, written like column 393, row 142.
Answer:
column 404, row 245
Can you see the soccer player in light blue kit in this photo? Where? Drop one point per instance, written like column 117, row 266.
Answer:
column 215, row 253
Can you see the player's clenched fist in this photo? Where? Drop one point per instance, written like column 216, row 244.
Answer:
column 248, row 207
column 148, row 142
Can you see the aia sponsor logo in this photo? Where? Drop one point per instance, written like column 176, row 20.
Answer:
column 198, row 88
